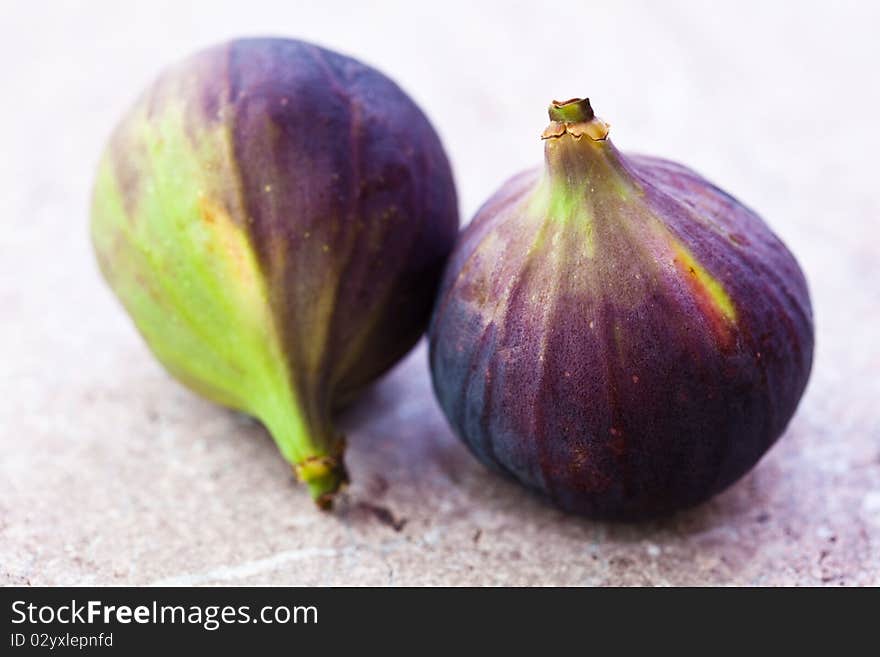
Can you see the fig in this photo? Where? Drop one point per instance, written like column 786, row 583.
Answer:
column 275, row 218
column 617, row 333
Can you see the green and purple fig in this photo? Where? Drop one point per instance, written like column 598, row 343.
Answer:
column 617, row 333
column 275, row 218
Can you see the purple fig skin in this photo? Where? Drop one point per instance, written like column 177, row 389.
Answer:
column 617, row 333
column 376, row 176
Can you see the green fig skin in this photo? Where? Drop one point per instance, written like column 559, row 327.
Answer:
column 275, row 218
column 616, row 333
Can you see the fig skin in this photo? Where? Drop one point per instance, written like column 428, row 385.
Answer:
column 617, row 333
column 275, row 218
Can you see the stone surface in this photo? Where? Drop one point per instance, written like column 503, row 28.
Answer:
column 112, row 473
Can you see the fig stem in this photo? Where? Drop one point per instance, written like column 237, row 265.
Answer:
column 323, row 476
column 574, row 117
column 574, row 110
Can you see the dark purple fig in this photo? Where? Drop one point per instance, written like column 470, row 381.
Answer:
column 275, row 217
column 616, row 332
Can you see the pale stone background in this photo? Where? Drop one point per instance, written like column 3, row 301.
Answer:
column 112, row 473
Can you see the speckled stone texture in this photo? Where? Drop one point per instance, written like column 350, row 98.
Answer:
column 112, row 473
